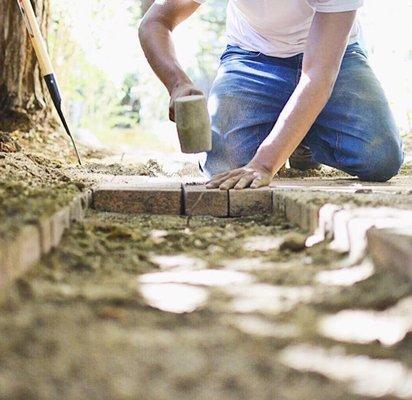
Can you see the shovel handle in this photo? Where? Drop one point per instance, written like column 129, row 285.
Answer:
column 36, row 37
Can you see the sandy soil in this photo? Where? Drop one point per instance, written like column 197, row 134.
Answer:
column 128, row 307
column 91, row 321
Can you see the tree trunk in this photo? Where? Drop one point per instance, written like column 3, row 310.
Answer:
column 22, row 90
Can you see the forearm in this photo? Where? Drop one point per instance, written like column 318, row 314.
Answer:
column 299, row 114
column 157, row 44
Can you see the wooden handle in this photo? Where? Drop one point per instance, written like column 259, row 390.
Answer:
column 36, row 36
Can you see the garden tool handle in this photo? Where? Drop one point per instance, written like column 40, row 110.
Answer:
column 36, row 37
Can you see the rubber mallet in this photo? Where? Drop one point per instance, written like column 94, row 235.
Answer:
column 193, row 124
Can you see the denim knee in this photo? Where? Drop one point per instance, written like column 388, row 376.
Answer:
column 382, row 164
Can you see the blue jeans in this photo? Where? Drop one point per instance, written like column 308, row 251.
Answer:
column 355, row 132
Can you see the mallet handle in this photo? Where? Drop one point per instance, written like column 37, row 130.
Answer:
column 36, row 37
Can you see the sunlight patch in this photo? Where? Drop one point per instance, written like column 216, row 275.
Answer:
column 366, row 376
column 262, row 243
column 174, row 298
column 250, row 264
column 359, row 326
column 207, row 277
column 258, row 326
column 266, row 298
column 178, row 262
column 346, row 276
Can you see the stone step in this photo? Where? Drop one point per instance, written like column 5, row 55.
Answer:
column 392, row 249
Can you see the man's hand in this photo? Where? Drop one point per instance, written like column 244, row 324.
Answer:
column 251, row 175
column 181, row 90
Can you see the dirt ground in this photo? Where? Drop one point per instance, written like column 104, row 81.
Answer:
column 150, row 307
column 122, row 311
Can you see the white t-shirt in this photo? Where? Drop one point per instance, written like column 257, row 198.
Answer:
column 279, row 28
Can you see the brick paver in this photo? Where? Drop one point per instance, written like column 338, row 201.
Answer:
column 150, row 197
column 201, row 201
column 250, row 202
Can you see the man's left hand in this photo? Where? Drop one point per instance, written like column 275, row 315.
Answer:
column 251, row 175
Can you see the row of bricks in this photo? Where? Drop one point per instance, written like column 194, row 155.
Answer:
column 188, row 200
column 26, row 247
column 382, row 232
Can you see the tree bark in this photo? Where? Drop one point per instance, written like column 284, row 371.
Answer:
column 22, row 90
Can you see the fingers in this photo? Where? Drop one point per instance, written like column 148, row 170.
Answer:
column 229, row 183
column 218, row 179
column 244, row 182
column 239, row 179
column 223, row 174
column 260, row 181
column 217, row 183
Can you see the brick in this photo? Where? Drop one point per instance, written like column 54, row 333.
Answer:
column 46, row 236
column 201, row 201
column 313, row 217
column 60, row 221
column 350, row 225
column 250, row 202
column 87, row 199
column 391, row 249
column 162, row 199
column 278, row 204
column 77, row 209
column 19, row 253
column 293, row 211
column 4, row 261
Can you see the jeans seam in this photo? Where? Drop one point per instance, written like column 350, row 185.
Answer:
column 299, row 68
column 338, row 148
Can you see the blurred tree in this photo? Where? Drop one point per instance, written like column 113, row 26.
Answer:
column 212, row 41
column 22, row 91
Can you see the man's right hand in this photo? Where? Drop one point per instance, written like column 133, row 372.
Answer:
column 181, row 90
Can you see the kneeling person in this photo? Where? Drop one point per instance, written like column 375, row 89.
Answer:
column 292, row 83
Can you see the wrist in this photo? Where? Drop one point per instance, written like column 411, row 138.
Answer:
column 264, row 162
column 178, row 82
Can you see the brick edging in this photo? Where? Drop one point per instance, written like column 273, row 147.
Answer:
column 32, row 241
column 384, row 233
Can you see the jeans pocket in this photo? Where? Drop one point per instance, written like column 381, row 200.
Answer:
column 235, row 52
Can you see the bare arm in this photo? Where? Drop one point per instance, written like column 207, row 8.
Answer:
column 325, row 48
column 156, row 40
